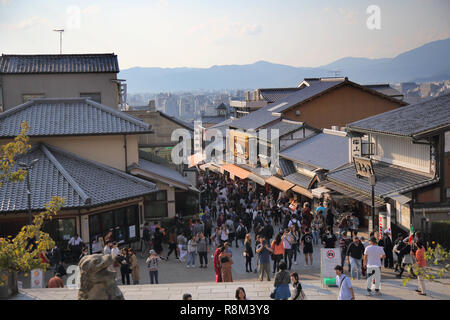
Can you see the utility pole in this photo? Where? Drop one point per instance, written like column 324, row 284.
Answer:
column 60, row 39
column 28, row 167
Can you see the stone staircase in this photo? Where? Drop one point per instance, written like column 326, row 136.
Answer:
column 256, row 290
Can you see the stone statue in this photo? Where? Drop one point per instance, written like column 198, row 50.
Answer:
column 97, row 282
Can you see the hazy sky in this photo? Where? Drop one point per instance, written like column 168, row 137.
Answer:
column 202, row 33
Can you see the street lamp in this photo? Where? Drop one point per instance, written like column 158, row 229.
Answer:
column 372, row 182
column 28, row 167
column 364, row 168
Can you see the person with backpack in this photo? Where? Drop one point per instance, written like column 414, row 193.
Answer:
column 307, row 242
column 241, row 232
column 329, row 239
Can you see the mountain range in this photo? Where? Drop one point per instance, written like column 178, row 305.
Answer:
column 423, row 64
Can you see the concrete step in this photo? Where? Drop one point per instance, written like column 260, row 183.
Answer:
column 256, row 290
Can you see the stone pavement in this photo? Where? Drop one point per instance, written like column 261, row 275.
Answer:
column 256, row 290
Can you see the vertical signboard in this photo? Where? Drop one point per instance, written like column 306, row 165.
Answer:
column 37, row 278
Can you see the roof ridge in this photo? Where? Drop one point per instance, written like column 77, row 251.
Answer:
column 101, row 166
column 118, row 113
column 16, row 109
column 87, row 200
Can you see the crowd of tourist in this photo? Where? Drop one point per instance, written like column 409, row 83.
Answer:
column 273, row 231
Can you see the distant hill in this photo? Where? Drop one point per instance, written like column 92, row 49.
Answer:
column 427, row 63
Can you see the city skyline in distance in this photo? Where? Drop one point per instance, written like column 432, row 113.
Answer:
column 173, row 33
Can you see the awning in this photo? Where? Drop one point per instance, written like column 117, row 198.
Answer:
column 237, row 171
column 400, row 198
column 282, row 185
column 354, row 195
column 257, row 179
column 195, row 159
column 192, row 188
column 318, row 192
column 204, row 166
column 302, row 191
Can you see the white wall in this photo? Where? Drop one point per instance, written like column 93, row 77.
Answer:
column 401, row 152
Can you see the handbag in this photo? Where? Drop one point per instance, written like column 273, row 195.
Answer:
column 272, row 294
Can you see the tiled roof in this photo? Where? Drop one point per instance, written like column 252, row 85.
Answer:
column 411, row 120
column 82, row 183
column 59, row 63
column 275, row 94
column 323, row 150
column 390, row 179
column 385, row 89
column 162, row 171
column 265, row 115
column 182, row 123
column 299, row 179
column 284, row 127
column 76, row 116
column 286, row 166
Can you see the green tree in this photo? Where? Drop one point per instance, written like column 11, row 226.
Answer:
column 21, row 253
column 438, row 257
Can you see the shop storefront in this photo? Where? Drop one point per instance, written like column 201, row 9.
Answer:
column 121, row 225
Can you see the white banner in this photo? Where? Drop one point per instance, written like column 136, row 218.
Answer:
column 329, row 258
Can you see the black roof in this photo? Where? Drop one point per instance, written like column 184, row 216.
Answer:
column 390, row 179
column 81, row 182
column 411, row 121
column 58, row 63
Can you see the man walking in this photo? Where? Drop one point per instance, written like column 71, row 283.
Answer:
column 344, row 284
column 372, row 260
column 307, row 243
column 388, row 249
column 263, row 250
column 354, row 255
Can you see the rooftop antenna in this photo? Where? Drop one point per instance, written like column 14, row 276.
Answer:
column 60, row 39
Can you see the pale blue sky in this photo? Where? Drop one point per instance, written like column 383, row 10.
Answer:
column 202, row 33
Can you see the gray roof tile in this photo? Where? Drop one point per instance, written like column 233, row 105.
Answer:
column 83, row 183
column 58, row 63
column 76, row 116
column 299, row 179
column 275, row 94
column 323, row 150
column 162, row 171
column 390, row 179
column 264, row 116
column 409, row 120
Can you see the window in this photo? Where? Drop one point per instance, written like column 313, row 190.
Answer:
column 94, row 96
column 60, row 230
column 121, row 223
column 156, row 205
column 30, row 96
